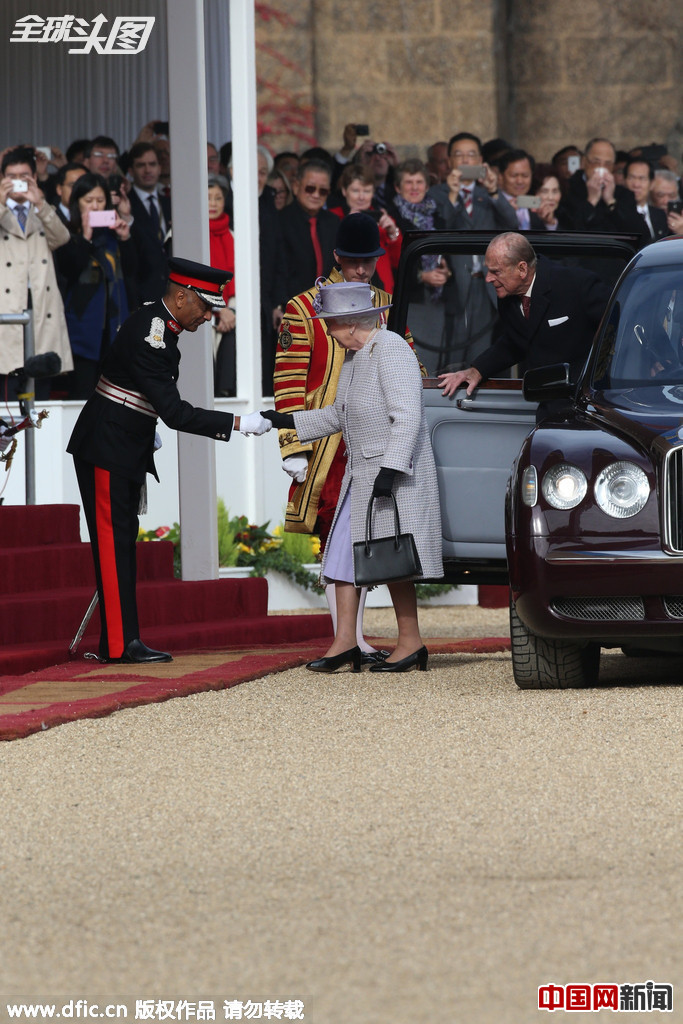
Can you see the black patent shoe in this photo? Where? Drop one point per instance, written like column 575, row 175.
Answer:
column 137, row 653
column 331, row 664
column 418, row 658
column 373, row 657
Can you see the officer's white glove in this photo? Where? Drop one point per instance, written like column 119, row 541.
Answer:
column 254, row 423
column 158, row 443
column 296, row 466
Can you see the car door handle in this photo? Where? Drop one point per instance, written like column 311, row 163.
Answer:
column 476, row 405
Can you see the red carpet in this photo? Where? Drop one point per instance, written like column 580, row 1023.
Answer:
column 85, row 689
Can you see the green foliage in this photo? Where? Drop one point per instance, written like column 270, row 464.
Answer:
column 243, row 543
column 303, row 547
column 228, row 546
column 426, row 590
column 282, row 561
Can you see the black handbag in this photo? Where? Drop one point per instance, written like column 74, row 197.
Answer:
column 385, row 559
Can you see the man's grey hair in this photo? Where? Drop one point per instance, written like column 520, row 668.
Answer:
column 598, row 138
column 666, row 176
column 266, row 154
column 515, row 247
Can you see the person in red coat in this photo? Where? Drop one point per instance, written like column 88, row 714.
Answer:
column 222, row 249
column 357, row 187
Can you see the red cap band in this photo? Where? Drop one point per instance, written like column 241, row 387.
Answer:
column 196, row 282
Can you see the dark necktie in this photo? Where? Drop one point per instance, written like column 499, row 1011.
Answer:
column 316, row 247
column 21, row 216
column 154, row 214
column 467, row 199
column 526, row 305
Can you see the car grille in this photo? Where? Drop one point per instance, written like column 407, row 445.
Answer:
column 674, row 606
column 599, row 609
column 672, row 501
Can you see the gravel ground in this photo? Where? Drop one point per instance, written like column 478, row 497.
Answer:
column 413, row 849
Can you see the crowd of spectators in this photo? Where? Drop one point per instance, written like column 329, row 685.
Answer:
column 94, row 226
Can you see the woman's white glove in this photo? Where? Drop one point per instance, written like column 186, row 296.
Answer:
column 254, row 423
column 296, row 466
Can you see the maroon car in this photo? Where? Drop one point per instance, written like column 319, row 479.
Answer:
column 594, row 509
column 583, row 514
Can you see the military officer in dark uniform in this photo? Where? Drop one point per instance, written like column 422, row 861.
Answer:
column 114, row 438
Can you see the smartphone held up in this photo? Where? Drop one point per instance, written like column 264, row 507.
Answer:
column 102, row 218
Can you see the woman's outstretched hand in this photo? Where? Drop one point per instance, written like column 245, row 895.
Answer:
column 280, row 420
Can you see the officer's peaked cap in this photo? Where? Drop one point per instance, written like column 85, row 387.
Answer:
column 207, row 282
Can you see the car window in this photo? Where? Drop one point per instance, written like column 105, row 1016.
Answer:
column 642, row 335
column 451, row 311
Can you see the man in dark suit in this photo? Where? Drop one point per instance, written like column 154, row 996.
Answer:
column 475, row 204
column 549, row 313
column 465, row 204
column 113, row 441
column 638, row 178
column 308, row 231
column 594, row 201
column 151, row 212
column 65, row 178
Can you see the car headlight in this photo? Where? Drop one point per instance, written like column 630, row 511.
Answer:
column 622, row 489
column 564, row 486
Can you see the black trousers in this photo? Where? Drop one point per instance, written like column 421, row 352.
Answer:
column 110, row 503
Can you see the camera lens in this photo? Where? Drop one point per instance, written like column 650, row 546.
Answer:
column 380, row 148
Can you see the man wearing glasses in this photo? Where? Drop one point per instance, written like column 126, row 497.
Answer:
column 101, row 156
column 308, row 230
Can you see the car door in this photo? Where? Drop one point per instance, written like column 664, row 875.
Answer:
column 476, row 438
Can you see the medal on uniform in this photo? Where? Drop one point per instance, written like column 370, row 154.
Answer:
column 285, row 336
column 155, row 338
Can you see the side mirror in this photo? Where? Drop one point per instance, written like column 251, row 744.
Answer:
column 548, row 382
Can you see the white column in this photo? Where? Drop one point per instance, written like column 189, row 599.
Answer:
column 245, row 188
column 189, row 178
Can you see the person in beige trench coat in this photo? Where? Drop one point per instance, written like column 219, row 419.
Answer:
column 379, row 410
column 27, row 256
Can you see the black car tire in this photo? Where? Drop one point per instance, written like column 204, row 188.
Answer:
column 542, row 664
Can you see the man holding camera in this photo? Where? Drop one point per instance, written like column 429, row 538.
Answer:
column 469, row 200
column 594, row 201
column 31, row 230
column 476, row 203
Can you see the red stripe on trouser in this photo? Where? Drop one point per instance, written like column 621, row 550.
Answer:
column 108, row 570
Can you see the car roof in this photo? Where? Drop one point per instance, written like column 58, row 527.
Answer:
column 663, row 253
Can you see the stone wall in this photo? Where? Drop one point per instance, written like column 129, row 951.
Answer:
column 411, row 69
column 540, row 73
column 588, row 67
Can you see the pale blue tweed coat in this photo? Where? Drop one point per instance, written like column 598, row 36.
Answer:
column 379, row 410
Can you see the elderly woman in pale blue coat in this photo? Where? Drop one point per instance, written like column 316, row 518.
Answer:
column 379, row 410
